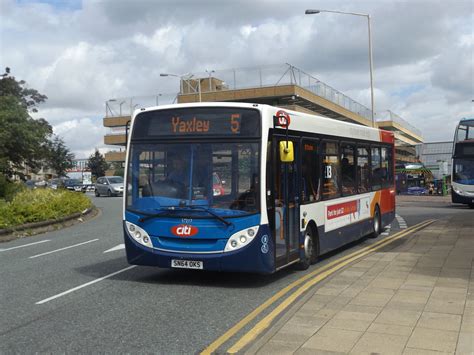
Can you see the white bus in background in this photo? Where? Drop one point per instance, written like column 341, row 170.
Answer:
column 463, row 163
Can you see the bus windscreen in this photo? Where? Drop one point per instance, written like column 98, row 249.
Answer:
column 197, row 122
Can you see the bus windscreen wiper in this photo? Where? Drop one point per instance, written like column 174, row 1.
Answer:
column 148, row 216
column 208, row 210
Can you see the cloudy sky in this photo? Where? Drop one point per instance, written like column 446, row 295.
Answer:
column 82, row 53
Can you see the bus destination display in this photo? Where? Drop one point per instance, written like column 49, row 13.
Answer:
column 198, row 122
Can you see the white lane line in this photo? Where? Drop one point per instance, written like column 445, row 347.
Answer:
column 25, row 245
column 85, row 285
column 118, row 247
column 69, row 247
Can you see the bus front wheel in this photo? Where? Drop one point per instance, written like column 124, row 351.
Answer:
column 310, row 250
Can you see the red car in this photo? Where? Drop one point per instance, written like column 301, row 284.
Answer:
column 217, row 185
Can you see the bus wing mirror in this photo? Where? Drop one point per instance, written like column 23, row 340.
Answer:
column 286, row 152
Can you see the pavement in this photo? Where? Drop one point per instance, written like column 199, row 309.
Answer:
column 414, row 296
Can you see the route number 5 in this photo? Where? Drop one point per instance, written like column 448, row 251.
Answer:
column 235, row 123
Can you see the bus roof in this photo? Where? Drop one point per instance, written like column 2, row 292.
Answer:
column 323, row 125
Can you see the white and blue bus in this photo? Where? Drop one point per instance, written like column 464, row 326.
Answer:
column 250, row 187
column 462, row 180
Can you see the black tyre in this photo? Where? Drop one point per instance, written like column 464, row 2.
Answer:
column 310, row 250
column 97, row 194
column 471, row 205
column 109, row 193
column 376, row 223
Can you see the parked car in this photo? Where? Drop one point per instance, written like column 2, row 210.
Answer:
column 56, row 183
column 30, row 184
column 74, row 185
column 418, row 191
column 109, row 185
column 40, row 183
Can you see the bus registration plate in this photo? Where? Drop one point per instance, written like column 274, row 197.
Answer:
column 187, row 264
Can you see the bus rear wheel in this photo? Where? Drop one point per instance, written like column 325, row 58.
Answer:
column 377, row 223
column 310, row 250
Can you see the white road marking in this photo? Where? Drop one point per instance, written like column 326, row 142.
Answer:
column 387, row 230
column 69, row 247
column 401, row 222
column 85, row 285
column 25, row 245
column 118, row 247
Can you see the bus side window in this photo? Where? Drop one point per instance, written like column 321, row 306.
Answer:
column 348, row 169
column 363, row 169
column 310, row 172
column 376, row 167
column 330, row 170
column 387, row 166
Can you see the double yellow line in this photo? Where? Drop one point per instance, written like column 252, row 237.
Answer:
column 314, row 277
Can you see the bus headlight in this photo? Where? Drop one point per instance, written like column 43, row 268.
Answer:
column 241, row 239
column 138, row 234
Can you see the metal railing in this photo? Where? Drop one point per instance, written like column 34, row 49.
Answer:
column 125, row 106
column 245, row 78
column 279, row 75
column 390, row 116
column 242, row 78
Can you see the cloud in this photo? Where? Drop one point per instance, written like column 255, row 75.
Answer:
column 73, row 133
column 81, row 54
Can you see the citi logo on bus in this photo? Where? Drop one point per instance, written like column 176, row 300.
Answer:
column 184, row 230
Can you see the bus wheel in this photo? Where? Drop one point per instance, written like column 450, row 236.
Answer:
column 377, row 223
column 310, row 250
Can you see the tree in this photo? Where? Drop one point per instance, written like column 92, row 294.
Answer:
column 97, row 164
column 118, row 168
column 28, row 98
column 23, row 140
column 59, row 157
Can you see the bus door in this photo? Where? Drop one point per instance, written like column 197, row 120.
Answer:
column 286, row 204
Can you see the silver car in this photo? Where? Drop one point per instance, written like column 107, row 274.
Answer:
column 109, row 185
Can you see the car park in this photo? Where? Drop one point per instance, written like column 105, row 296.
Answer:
column 109, row 186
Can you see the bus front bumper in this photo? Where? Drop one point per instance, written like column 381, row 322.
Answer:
column 254, row 258
column 458, row 198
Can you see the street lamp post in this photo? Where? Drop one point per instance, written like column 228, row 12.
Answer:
column 158, row 99
column 311, row 12
column 181, row 77
column 121, row 107
column 210, row 76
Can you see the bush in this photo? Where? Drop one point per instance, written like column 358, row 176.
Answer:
column 40, row 205
column 8, row 189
